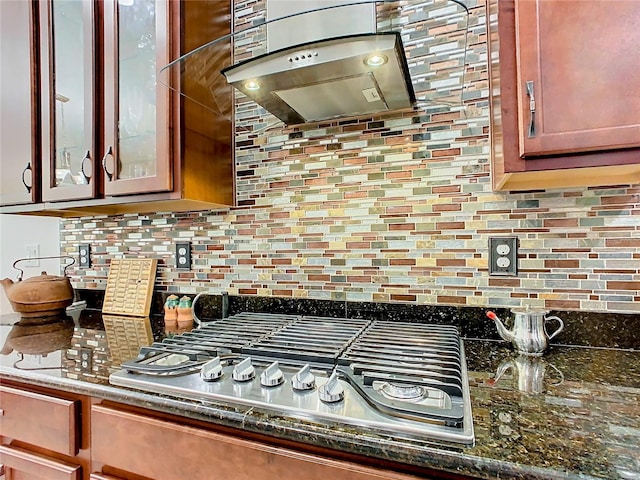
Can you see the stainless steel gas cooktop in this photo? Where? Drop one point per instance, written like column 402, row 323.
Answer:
column 403, row 379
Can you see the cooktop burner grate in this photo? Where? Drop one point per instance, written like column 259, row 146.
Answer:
column 310, row 339
column 419, row 354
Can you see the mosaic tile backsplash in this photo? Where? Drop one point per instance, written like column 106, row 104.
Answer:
column 392, row 208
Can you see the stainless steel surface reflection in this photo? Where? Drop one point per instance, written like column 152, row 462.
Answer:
column 530, row 373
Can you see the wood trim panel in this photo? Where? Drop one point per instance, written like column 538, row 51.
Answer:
column 578, row 177
column 165, row 450
column 100, row 476
column 47, row 422
column 37, row 466
column 206, row 137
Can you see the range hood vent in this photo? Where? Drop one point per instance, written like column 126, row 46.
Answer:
column 328, row 79
column 318, row 60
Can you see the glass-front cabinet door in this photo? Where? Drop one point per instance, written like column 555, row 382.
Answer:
column 136, row 156
column 19, row 157
column 67, row 102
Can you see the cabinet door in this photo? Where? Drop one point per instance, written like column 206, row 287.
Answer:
column 18, row 105
column 42, row 420
column 21, row 464
column 136, row 157
column 131, row 442
column 68, row 89
column 578, row 75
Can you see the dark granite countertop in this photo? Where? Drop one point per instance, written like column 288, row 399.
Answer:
column 574, row 413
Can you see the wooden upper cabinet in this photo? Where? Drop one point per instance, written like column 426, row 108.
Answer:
column 565, row 93
column 158, row 142
column 136, row 156
column 19, row 155
column 68, row 46
column 578, row 67
column 95, row 122
column 134, row 152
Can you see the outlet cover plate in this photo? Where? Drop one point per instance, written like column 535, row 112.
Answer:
column 84, row 255
column 32, row 252
column 183, row 256
column 503, row 256
column 86, row 359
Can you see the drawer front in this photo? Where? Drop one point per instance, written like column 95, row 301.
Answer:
column 22, row 464
column 48, row 422
column 164, row 450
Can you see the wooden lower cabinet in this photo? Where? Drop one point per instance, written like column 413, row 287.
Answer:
column 47, row 434
column 44, row 420
column 126, row 443
column 43, row 433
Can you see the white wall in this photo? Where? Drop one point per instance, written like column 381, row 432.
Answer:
column 17, row 231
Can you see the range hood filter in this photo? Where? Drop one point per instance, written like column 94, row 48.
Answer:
column 338, row 96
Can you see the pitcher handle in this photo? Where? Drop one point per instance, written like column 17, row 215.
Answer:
column 555, row 384
column 560, row 328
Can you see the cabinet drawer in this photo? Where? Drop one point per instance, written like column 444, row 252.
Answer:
column 48, row 422
column 163, row 450
column 27, row 465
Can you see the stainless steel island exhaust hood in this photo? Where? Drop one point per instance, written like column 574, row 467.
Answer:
column 350, row 71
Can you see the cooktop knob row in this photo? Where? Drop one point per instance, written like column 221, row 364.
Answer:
column 272, row 376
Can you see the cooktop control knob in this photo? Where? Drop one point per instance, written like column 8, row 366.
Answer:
column 272, row 376
column 212, row 370
column 303, row 379
column 331, row 391
column 244, row 371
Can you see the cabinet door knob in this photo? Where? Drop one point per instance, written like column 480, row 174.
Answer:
column 532, row 110
column 104, row 163
column 24, row 181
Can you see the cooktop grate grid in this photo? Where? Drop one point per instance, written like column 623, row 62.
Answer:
column 420, row 354
column 309, row 339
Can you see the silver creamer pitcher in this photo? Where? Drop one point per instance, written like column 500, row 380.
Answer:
column 529, row 334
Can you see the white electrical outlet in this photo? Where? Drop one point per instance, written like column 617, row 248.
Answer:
column 32, row 251
column 503, row 256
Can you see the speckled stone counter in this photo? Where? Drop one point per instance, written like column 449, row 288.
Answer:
column 574, row 413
